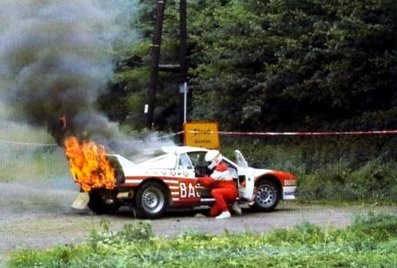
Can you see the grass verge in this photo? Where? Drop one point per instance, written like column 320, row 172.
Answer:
column 369, row 242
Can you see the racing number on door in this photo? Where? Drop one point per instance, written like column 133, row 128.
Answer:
column 187, row 190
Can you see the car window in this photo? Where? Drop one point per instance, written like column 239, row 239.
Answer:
column 197, row 158
column 184, row 162
column 199, row 164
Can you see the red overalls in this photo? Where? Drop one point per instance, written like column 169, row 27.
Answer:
column 224, row 189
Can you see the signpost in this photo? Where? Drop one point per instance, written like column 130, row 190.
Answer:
column 201, row 134
column 184, row 90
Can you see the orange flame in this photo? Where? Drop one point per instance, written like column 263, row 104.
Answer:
column 89, row 165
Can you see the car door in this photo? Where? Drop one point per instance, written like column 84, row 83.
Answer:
column 246, row 179
column 188, row 192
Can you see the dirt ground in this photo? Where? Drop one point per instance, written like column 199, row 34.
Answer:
column 39, row 216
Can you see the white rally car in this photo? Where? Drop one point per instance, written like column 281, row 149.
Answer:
column 168, row 181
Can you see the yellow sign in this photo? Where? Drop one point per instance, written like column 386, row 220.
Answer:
column 201, row 134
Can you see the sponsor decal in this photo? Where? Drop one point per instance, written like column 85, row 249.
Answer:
column 187, row 190
column 174, row 188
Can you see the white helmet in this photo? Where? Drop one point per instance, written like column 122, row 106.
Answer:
column 213, row 156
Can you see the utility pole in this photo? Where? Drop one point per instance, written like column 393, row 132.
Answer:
column 155, row 56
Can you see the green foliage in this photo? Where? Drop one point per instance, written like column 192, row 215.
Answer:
column 327, row 168
column 374, row 227
column 303, row 234
column 369, row 242
column 226, row 61
column 130, row 233
column 29, row 163
column 374, row 180
column 309, row 64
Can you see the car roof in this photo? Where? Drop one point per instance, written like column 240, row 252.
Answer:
column 160, row 152
column 182, row 149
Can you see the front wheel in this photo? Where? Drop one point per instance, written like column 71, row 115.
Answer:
column 151, row 200
column 267, row 196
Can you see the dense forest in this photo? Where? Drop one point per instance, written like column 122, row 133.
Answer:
column 265, row 65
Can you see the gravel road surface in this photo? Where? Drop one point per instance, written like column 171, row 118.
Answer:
column 39, row 216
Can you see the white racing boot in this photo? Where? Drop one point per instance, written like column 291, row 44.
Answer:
column 236, row 208
column 223, row 215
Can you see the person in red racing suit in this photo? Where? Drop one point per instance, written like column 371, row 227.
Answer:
column 224, row 189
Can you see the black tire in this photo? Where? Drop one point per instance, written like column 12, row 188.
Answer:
column 151, row 200
column 267, row 196
column 98, row 202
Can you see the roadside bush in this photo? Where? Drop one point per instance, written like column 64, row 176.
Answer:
column 138, row 232
column 373, row 181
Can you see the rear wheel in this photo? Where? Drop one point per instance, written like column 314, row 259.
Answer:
column 267, row 196
column 151, row 200
column 103, row 201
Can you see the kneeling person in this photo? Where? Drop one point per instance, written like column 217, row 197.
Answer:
column 224, row 189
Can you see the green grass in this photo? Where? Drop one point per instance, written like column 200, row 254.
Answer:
column 369, row 242
column 348, row 168
column 24, row 163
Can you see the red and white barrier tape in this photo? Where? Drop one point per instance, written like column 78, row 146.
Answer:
column 170, row 135
column 298, row 133
column 302, row 133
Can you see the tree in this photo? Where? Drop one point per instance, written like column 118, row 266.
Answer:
column 280, row 64
column 296, row 63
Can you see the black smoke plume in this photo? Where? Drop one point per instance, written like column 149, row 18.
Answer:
column 56, row 59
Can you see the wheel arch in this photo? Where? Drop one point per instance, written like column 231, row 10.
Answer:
column 272, row 178
column 158, row 180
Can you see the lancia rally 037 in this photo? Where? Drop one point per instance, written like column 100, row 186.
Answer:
column 168, row 181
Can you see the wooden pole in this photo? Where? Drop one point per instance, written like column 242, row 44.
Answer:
column 155, row 56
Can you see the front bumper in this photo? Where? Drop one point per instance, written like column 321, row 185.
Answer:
column 289, row 192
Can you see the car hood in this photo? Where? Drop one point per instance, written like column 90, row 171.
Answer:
column 279, row 174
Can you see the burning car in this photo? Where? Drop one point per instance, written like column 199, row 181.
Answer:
column 168, row 181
